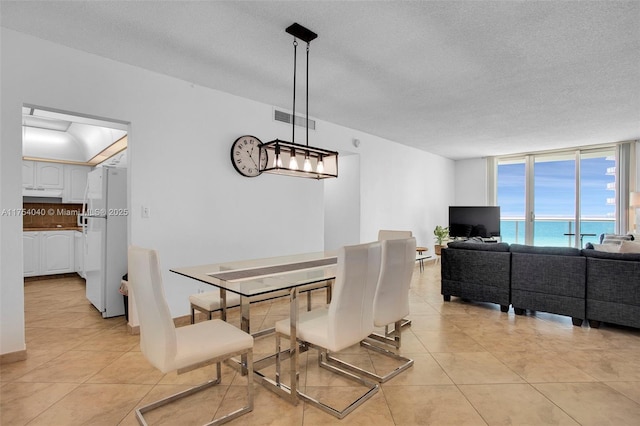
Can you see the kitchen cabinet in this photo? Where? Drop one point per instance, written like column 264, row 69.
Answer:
column 48, row 252
column 42, row 175
column 28, row 174
column 31, row 253
column 57, row 254
column 49, row 175
column 75, row 183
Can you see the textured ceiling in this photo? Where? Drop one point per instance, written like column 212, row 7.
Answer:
column 458, row 79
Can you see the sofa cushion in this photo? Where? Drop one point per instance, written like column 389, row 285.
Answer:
column 468, row 245
column 556, row 251
column 612, row 256
column 629, row 247
column 609, row 248
column 615, row 238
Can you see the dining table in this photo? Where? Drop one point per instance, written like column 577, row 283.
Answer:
column 266, row 278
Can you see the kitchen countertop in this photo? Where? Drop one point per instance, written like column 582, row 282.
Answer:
column 52, row 228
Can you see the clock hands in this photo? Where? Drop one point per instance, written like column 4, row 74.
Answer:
column 251, row 156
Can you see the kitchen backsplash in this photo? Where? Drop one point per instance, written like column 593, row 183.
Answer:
column 47, row 215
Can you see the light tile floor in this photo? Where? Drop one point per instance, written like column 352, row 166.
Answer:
column 473, row 365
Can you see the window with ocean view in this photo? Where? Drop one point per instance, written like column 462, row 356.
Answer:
column 561, row 199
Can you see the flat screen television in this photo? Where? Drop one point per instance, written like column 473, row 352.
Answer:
column 470, row 221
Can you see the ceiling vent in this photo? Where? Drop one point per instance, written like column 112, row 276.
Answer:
column 285, row 117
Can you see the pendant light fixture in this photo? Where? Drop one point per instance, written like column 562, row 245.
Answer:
column 285, row 158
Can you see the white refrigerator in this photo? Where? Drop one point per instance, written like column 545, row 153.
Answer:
column 104, row 227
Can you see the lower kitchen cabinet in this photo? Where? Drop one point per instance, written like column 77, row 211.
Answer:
column 48, row 252
column 31, row 253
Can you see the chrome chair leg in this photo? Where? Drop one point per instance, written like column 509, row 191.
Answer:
column 370, row 343
column 323, row 361
column 224, row 419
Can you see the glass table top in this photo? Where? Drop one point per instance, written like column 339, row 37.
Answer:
column 261, row 276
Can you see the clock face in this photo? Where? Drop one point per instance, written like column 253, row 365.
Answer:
column 247, row 156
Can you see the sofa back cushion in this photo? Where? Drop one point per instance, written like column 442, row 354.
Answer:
column 633, row 257
column 629, row 247
column 609, row 248
column 465, row 245
column 555, row 251
column 548, row 270
column 481, row 267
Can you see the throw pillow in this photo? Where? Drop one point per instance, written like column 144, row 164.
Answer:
column 614, row 239
column 629, row 247
column 609, row 248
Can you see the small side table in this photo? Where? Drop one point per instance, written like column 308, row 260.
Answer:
column 420, row 257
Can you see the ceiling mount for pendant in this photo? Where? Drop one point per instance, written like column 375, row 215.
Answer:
column 304, row 34
column 284, row 158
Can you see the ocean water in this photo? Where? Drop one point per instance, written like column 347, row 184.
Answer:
column 551, row 232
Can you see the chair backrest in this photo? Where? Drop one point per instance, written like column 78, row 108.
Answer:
column 385, row 234
column 350, row 316
column 391, row 302
column 157, row 331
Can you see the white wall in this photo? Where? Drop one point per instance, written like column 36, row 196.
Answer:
column 202, row 211
column 342, row 205
column 471, row 182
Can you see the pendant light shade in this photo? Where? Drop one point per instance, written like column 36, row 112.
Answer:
column 320, row 163
column 286, row 158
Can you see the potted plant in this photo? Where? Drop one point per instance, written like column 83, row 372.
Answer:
column 442, row 235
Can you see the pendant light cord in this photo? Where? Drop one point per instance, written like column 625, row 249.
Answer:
column 293, row 116
column 307, row 84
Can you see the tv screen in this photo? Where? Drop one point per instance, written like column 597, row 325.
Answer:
column 469, row 221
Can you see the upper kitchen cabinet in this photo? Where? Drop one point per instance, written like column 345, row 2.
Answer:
column 49, row 175
column 42, row 175
column 75, row 183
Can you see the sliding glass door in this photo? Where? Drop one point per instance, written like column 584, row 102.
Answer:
column 512, row 199
column 554, row 199
column 562, row 199
column 598, row 175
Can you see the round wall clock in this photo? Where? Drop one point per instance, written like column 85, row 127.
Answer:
column 246, row 156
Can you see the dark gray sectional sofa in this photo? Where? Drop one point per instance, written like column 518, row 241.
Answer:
column 613, row 288
column 548, row 279
column 582, row 284
column 479, row 272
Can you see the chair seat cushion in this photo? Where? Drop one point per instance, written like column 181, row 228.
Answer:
column 208, row 339
column 312, row 328
column 210, row 300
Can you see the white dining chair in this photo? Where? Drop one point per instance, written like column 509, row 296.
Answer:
column 185, row 348
column 209, row 302
column 390, row 306
column 345, row 322
column 386, row 234
column 391, row 302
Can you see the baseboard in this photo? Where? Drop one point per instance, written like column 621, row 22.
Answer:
column 51, row 277
column 178, row 322
column 10, row 357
